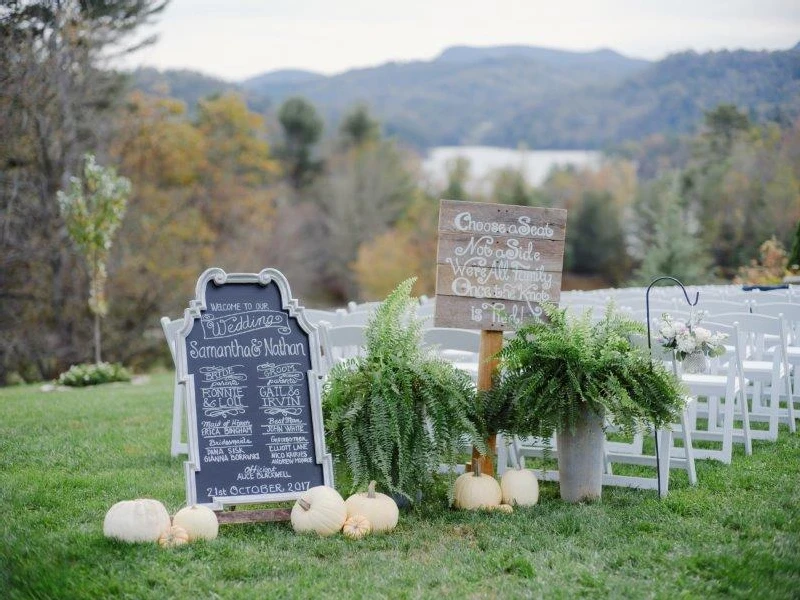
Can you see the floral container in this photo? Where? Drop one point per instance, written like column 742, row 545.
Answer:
column 693, row 345
column 696, row 362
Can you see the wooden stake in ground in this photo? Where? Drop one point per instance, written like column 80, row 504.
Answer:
column 491, row 344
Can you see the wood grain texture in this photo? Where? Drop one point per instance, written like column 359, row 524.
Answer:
column 254, row 516
column 483, row 283
column 487, row 250
column 521, row 222
column 486, row 314
column 496, row 263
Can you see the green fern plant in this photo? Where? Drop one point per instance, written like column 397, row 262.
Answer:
column 398, row 412
column 551, row 370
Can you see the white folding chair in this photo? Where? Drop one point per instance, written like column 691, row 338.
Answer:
column 171, row 329
column 359, row 318
column 716, row 306
column 341, row 342
column 791, row 317
column 353, row 306
column 717, row 396
column 315, row 315
column 459, row 346
column 766, row 365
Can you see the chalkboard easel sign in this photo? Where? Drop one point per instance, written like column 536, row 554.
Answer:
column 250, row 362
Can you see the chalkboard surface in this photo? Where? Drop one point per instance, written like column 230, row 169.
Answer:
column 250, row 362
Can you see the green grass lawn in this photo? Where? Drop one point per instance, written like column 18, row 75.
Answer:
column 67, row 456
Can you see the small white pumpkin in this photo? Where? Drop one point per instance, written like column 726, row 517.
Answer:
column 520, row 487
column 174, row 536
column 140, row 520
column 320, row 509
column 200, row 522
column 475, row 490
column 356, row 527
column 380, row 509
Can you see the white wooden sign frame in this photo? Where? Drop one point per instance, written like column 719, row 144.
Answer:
column 185, row 379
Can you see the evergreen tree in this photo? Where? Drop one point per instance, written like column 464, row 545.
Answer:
column 302, row 128
column 596, row 240
column 358, row 127
column 674, row 251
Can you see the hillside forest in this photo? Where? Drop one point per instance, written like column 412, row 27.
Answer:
column 340, row 207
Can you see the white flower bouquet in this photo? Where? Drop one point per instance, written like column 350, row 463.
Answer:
column 688, row 337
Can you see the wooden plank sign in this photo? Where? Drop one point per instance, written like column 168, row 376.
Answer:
column 249, row 361
column 496, row 263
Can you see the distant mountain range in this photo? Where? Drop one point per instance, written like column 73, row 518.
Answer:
column 540, row 97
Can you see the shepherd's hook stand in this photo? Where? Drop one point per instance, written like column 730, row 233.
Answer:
column 650, row 349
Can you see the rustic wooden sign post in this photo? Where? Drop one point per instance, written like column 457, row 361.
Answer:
column 496, row 263
column 250, row 364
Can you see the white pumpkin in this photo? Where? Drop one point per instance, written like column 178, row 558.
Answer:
column 356, row 527
column 380, row 509
column 200, row 522
column 320, row 509
column 475, row 490
column 520, row 487
column 141, row 520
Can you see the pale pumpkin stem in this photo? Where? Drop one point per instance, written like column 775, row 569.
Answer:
column 476, row 467
column 371, row 489
column 304, row 504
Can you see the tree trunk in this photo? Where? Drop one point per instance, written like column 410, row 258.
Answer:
column 97, row 339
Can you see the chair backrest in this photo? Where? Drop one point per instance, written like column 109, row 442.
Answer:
column 761, row 332
column 359, row 318
column 735, row 346
column 315, row 315
column 361, row 306
column 426, row 311
column 171, row 329
column 341, row 342
column 713, row 306
column 791, row 315
column 448, row 338
column 459, row 346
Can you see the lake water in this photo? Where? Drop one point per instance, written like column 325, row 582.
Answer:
column 534, row 164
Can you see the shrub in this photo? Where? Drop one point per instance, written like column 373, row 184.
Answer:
column 93, row 374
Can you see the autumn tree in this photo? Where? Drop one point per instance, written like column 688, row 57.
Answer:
column 363, row 194
column 166, row 239
column 408, row 249
column 237, row 182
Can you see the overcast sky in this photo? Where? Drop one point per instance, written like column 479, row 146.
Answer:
column 236, row 39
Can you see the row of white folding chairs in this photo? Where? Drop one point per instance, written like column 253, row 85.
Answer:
column 460, row 346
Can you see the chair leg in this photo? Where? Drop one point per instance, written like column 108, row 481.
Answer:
column 688, row 449
column 727, row 428
column 665, row 441
column 790, row 403
column 748, row 442
column 774, row 410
